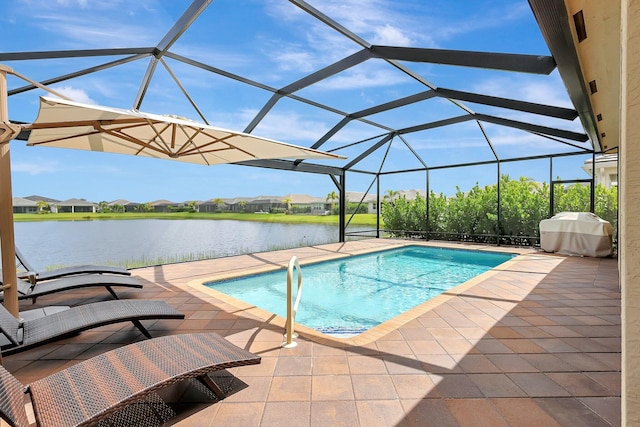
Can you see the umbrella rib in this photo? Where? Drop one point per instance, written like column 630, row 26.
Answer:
column 118, row 133
column 165, row 138
column 97, row 130
column 159, row 139
column 185, row 151
column 215, row 140
column 63, row 138
column 189, row 141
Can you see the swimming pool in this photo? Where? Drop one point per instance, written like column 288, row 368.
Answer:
column 350, row 295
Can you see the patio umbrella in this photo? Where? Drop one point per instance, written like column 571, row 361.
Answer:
column 67, row 124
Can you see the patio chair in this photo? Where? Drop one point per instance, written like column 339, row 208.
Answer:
column 27, row 333
column 28, row 290
column 35, row 276
column 119, row 387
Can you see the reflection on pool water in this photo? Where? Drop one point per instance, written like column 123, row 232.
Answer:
column 350, row 295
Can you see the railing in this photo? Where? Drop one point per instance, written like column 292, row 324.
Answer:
column 292, row 308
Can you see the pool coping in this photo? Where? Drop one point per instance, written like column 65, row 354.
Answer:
column 377, row 331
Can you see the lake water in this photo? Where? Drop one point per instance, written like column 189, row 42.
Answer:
column 50, row 243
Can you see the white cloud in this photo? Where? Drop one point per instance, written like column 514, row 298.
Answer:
column 68, row 3
column 362, row 78
column 288, row 126
column 391, row 36
column 546, row 90
column 77, row 95
column 114, row 23
column 298, row 60
column 41, row 166
column 99, row 31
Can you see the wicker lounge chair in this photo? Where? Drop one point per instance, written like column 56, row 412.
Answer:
column 120, row 386
column 35, row 276
column 32, row 332
column 34, row 290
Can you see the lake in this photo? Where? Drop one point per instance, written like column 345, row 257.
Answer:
column 158, row 241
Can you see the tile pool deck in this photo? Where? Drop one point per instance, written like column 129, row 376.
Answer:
column 533, row 343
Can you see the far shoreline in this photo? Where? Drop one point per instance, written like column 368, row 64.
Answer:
column 358, row 219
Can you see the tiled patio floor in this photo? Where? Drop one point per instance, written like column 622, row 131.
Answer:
column 536, row 343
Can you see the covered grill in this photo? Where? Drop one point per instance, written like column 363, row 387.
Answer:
column 577, row 233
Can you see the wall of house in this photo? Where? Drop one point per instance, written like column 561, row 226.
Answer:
column 25, row 209
column 76, row 209
column 629, row 222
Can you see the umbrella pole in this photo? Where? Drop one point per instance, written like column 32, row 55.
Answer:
column 7, row 240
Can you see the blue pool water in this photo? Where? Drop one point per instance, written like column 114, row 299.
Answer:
column 351, row 295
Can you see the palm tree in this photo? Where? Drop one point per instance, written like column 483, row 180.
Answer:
column 391, row 194
column 144, row 207
column 104, row 207
column 115, row 208
column 219, row 203
column 192, row 206
column 43, row 206
column 333, row 196
column 287, row 202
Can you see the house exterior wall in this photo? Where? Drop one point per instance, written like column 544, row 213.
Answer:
column 76, row 208
column 629, row 221
column 25, row 209
column 606, row 170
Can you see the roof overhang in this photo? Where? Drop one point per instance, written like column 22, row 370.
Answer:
column 584, row 39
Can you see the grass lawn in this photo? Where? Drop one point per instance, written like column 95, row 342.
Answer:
column 359, row 219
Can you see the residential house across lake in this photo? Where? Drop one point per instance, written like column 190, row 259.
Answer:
column 295, row 203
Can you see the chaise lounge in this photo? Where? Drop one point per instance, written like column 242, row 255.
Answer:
column 34, row 290
column 120, row 386
column 35, row 276
column 27, row 333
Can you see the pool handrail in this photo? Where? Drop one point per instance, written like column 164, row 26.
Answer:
column 292, row 309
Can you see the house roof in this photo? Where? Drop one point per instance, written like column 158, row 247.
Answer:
column 41, row 198
column 19, row 201
column 584, row 39
column 76, row 202
column 303, row 199
column 356, row 196
column 123, row 202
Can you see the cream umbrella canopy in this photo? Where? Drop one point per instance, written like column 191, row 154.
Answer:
column 67, row 124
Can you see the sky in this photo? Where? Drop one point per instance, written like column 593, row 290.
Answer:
column 275, row 43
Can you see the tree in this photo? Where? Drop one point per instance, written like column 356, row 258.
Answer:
column 43, row 207
column 192, row 206
column 390, row 195
column 333, row 196
column 145, row 207
column 473, row 216
column 243, row 205
column 219, row 204
column 103, row 207
column 287, row 202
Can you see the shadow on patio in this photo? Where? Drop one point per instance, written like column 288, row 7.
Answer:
column 535, row 345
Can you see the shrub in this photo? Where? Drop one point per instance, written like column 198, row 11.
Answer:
column 473, row 216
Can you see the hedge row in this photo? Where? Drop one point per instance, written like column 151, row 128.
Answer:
column 473, row 216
